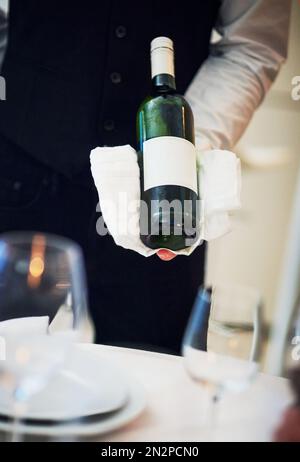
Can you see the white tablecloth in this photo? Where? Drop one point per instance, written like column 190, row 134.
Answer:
column 176, row 405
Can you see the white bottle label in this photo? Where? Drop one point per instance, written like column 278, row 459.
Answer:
column 169, row 160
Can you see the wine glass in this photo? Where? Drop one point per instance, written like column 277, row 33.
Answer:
column 291, row 356
column 43, row 311
column 221, row 344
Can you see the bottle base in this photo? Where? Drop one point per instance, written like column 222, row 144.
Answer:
column 166, row 242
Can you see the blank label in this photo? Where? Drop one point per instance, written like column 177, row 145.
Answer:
column 169, row 160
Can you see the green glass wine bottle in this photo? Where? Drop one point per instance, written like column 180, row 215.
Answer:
column 167, row 158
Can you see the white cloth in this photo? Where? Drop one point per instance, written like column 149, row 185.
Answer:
column 32, row 325
column 12, row 330
column 117, row 178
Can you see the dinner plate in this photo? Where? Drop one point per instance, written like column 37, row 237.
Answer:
column 87, row 385
column 88, row 426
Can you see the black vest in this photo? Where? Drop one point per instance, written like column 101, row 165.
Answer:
column 76, row 72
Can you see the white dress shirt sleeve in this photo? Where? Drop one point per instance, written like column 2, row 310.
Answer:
column 240, row 69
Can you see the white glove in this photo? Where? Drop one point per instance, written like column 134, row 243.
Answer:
column 117, row 178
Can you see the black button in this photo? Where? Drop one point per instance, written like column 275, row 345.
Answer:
column 17, row 185
column 115, row 77
column 109, row 125
column 121, row 31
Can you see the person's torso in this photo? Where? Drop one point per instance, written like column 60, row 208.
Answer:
column 76, row 72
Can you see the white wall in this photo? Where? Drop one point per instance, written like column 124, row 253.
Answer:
column 253, row 252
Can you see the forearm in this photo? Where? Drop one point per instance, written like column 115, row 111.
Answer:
column 223, row 101
column 240, row 69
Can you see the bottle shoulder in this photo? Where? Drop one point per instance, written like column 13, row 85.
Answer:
column 167, row 99
column 165, row 115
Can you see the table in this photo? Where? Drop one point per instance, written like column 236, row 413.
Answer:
column 176, row 405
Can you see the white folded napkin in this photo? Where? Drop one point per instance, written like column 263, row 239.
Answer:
column 219, row 180
column 220, row 190
column 33, row 325
column 117, row 178
column 18, row 327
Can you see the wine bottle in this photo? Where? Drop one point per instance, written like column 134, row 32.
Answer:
column 167, row 158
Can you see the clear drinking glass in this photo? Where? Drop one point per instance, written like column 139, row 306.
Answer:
column 43, row 311
column 221, row 344
column 291, row 355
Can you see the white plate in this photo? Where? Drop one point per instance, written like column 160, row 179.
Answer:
column 88, row 385
column 99, row 426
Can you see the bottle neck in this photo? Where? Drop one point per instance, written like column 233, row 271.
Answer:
column 164, row 83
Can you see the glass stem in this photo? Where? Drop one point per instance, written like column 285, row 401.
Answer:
column 212, row 414
column 18, row 412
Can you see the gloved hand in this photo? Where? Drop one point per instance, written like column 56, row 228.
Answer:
column 117, row 178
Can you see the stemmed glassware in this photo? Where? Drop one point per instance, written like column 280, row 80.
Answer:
column 221, row 344
column 291, row 354
column 43, row 311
